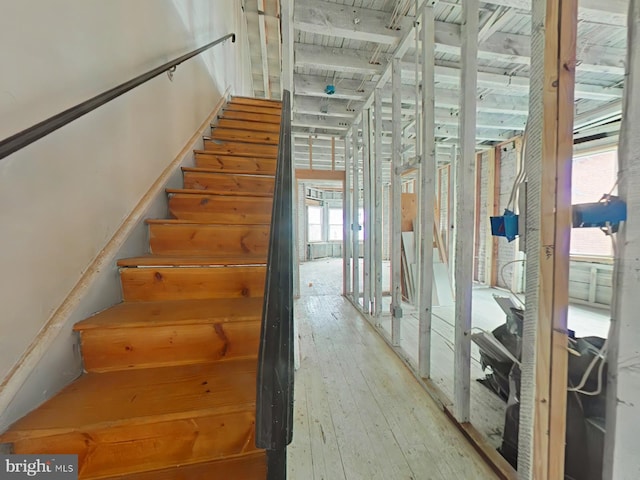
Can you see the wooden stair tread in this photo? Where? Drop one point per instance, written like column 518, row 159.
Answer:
column 135, row 397
column 237, row 157
column 255, row 126
column 245, row 149
column 251, row 466
column 252, row 117
column 175, row 312
column 185, row 260
column 227, row 193
column 180, row 221
column 247, row 136
column 222, row 172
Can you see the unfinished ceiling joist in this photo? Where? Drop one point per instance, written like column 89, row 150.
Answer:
column 328, row 18
column 611, row 12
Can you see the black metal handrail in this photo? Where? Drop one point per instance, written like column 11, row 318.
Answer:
column 36, row 132
column 274, row 404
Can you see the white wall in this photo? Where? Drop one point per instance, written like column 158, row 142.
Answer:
column 63, row 198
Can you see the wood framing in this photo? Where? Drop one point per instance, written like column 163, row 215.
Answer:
column 427, row 192
column 355, row 218
column 377, row 201
column 305, row 174
column 623, row 389
column 549, row 159
column 347, row 231
column 476, row 219
column 464, row 212
column 493, row 241
column 451, row 230
column 396, row 190
column 333, row 153
column 366, row 207
column 491, row 200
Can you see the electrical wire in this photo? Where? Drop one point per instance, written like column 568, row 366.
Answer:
column 515, row 296
column 522, row 172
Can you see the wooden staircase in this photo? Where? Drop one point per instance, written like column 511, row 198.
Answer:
column 170, row 383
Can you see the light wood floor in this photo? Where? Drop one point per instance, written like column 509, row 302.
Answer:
column 359, row 414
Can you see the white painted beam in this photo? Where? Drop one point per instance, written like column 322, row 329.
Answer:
column 514, row 48
column 314, row 86
column 465, row 212
column 347, row 231
column 286, row 19
column 427, row 193
column 326, row 105
column 337, row 59
column 300, row 120
column 610, row 12
column 263, row 49
column 328, row 18
column 396, row 204
column 515, row 85
column 377, row 199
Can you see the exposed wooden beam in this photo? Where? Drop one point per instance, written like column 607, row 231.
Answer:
column 337, row 59
column 314, row 86
column 516, row 85
column 286, row 19
column 328, row 18
column 308, row 174
column 548, row 158
column 300, row 120
column 513, row 48
column 377, row 233
column 611, row 12
column 347, row 231
column 465, row 212
column 263, row 49
column 427, row 192
column 396, row 204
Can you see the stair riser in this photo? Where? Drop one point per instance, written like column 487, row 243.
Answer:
column 252, row 117
column 137, row 448
column 249, row 125
column 246, row 136
column 208, row 239
column 228, row 183
column 221, row 210
column 178, row 283
column 111, row 349
column 236, row 107
column 229, row 164
column 242, row 149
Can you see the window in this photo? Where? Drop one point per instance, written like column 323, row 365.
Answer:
column 361, row 223
column 593, row 176
column 314, row 223
column 335, row 224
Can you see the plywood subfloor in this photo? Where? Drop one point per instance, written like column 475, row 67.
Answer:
column 359, row 413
